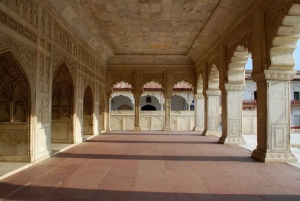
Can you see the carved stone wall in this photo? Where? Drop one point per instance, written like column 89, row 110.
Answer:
column 14, row 108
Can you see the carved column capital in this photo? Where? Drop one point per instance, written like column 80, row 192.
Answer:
column 198, row 96
column 234, row 87
column 274, row 75
column 213, row 93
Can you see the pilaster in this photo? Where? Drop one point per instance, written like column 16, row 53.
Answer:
column 233, row 132
column 167, row 126
column 213, row 105
column 107, row 111
column 137, row 113
column 199, row 112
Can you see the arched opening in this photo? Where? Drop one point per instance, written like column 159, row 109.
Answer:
column 62, row 106
column 14, row 110
column 154, row 100
column 88, row 112
column 119, row 101
column 148, row 108
column 178, row 103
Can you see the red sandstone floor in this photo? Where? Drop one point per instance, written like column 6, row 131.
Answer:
column 148, row 166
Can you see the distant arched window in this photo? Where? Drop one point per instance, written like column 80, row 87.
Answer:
column 148, row 99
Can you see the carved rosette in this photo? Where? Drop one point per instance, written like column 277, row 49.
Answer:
column 155, row 77
column 121, row 76
column 231, row 140
column 183, row 76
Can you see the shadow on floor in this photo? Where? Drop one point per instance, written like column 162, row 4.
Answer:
column 49, row 191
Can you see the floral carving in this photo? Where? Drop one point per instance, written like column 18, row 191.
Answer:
column 13, row 89
column 121, row 76
column 26, row 54
column 156, row 77
column 183, row 76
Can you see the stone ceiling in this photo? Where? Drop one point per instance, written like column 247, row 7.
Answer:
column 139, row 29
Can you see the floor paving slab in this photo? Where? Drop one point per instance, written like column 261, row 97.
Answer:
column 154, row 166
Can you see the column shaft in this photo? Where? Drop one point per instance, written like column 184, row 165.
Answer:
column 199, row 112
column 167, row 114
column 137, row 113
column 273, row 117
column 213, row 105
column 232, row 134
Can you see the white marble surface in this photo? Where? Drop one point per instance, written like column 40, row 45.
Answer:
column 251, row 142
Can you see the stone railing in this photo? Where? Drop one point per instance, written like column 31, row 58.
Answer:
column 249, row 122
column 152, row 120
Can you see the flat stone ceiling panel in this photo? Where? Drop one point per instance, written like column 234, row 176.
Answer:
column 153, row 27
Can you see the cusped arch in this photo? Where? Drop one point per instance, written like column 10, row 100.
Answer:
column 285, row 42
column 236, row 67
column 152, row 85
column 122, row 86
column 157, row 94
column 124, row 94
column 213, row 78
column 183, row 84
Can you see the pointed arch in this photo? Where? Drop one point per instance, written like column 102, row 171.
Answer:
column 15, row 101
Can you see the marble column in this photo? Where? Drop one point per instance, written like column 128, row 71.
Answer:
column 232, row 132
column 199, row 112
column 213, row 105
column 107, row 112
column 167, row 126
column 137, row 98
column 273, row 117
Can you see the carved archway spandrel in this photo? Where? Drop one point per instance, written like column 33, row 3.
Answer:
column 121, row 76
column 155, row 77
column 183, row 76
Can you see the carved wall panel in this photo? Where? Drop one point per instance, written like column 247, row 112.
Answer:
column 26, row 55
column 274, row 17
column 62, row 94
column 88, row 102
column 58, row 58
column 244, row 40
column 16, row 26
column 14, row 91
column 156, row 77
column 183, row 76
column 121, row 76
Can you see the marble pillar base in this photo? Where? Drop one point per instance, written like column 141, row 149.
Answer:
column 208, row 132
column 198, row 129
column 137, row 129
column 167, row 128
column 273, row 157
column 231, row 140
column 107, row 129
